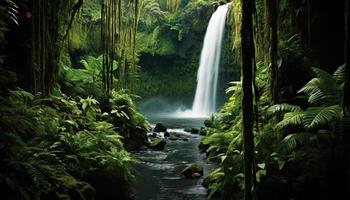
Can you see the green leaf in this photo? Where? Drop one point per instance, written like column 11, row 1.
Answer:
column 316, row 117
column 262, row 165
column 260, row 174
column 284, row 107
column 291, row 119
column 85, row 104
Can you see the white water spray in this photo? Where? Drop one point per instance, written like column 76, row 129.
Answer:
column 204, row 102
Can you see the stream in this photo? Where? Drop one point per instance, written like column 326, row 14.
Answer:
column 159, row 173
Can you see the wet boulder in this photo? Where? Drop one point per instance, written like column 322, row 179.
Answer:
column 192, row 130
column 193, row 171
column 208, row 123
column 160, row 128
column 173, row 137
column 185, row 139
column 166, row 134
column 158, row 144
column 196, row 175
column 202, row 132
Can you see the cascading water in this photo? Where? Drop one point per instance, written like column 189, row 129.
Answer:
column 204, row 102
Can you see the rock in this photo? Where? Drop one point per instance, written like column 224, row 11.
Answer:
column 208, row 123
column 192, row 130
column 166, row 134
column 187, row 130
column 160, row 128
column 196, row 175
column 173, row 137
column 136, row 140
column 143, row 147
column 158, row 144
column 185, row 139
column 202, row 132
column 190, row 170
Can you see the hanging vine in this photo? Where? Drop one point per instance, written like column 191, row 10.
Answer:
column 118, row 38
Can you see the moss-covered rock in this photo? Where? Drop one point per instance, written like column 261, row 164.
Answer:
column 160, row 127
column 208, row 123
column 173, row 137
column 193, row 170
column 158, row 144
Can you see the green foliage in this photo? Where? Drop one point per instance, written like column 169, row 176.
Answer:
column 298, row 145
column 49, row 146
column 324, row 88
column 149, row 11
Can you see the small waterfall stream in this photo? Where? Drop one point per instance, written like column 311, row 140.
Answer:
column 204, row 102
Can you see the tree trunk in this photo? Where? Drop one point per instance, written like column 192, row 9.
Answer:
column 45, row 45
column 346, row 100
column 247, row 101
column 347, row 60
column 272, row 21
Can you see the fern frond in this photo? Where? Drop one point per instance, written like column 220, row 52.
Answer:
column 339, row 74
column 321, row 89
column 291, row 119
column 290, row 142
column 284, row 107
column 320, row 116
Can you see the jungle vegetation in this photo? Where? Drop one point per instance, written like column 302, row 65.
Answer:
column 73, row 72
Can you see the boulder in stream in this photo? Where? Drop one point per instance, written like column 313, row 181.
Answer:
column 158, row 144
column 193, row 171
column 173, row 137
column 202, row 132
column 192, row 130
column 160, row 128
column 208, row 123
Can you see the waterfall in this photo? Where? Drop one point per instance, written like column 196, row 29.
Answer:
column 204, row 102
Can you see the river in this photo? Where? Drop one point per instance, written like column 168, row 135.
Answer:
column 159, row 173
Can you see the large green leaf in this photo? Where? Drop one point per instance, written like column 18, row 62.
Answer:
column 320, row 116
column 284, row 107
column 322, row 89
column 290, row 142
column 291, row 119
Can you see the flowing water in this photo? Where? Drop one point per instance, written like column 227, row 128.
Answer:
column 204, row 102
column 160, row 176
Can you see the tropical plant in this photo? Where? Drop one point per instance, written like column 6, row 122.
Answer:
column 49, row 146
column 150, row 10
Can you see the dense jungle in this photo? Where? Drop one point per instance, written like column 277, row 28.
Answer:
column 174, row 99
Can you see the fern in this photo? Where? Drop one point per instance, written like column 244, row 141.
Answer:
column 316, row 117
column 291, row 142
column 339, row 74
column 282, row 108
column 322, row 89
column 291, row 119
